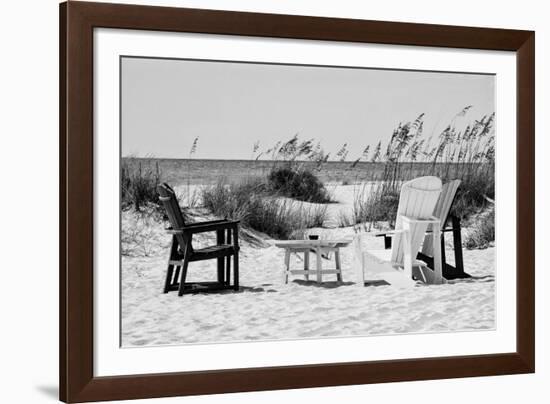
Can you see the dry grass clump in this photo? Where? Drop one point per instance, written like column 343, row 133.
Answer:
column 302, row 185
column 139, row 184
column 252, row 202
column 482, row 234
column 292, row 173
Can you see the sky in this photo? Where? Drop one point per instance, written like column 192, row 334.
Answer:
column 167, row 103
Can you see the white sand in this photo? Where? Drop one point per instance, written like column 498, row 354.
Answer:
column 267, row 309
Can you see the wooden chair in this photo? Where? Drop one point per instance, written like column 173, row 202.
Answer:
column 442, row 211
column 398, row 266
column 182, row 251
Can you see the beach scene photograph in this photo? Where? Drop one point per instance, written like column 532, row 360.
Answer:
column 267, row 202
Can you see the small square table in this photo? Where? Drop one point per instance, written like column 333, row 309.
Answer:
column 318, row 247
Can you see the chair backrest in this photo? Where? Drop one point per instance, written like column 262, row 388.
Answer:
column 441, row 211
column 418, row 199
column 173, row 211
column 445, row 201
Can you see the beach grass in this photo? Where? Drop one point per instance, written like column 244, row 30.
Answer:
column 287, row 195
column 300, row 184
column 139, row 184
column 482, row 235
column 253, row 203
column 467, row 155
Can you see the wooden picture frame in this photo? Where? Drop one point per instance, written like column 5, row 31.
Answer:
column 77, row 381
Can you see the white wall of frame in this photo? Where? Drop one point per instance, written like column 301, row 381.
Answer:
column 29, row 164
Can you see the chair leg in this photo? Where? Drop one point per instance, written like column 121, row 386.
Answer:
column 443, row 256
column 228, row 262
column 236, row 271
column 181, row 290
column 358, row 261
column 387, row 242
column 438, row 268
column 170, row 270
column 176, row 275
column 168, row 280
column 220, row 239
column 221, row 271
column 236, row 259
column 407, row 250
column 457, row 243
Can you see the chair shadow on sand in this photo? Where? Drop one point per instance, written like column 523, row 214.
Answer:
column 473, row 279
column 324, row 285
column 256, row 289
column 265, row 288
column 242, row 289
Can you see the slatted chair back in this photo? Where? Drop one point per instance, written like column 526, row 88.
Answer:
column 173, row 211
column 417, row 199
column 441, row 211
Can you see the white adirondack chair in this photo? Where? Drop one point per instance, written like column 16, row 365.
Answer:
column 399, row 265
column 441, row 211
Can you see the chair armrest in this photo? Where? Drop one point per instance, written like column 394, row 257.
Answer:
column 171, row 230
column 208, row 222
column 205, row 226
column 431, row 220
column 445, row 230
column 389, row 233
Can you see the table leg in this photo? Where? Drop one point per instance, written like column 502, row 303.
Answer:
column 306, row 264
column 338, row 265
column 287, row 265
column 319, row 265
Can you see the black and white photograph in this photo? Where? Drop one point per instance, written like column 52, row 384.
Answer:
column 275, row 201
column 263, row 201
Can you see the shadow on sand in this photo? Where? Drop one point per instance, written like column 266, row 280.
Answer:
column 265, row 288
column 474, row 279
column 325, row 285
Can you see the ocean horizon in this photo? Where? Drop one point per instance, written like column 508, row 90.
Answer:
column 209, row 171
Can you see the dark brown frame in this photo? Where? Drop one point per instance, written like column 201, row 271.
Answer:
column 77, row 21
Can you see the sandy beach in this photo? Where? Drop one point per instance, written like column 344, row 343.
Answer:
column 267, row 309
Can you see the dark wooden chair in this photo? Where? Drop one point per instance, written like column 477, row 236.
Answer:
column 442, row 211
column 182, row 251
